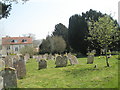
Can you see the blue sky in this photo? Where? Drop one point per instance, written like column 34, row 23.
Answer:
column 40, row 16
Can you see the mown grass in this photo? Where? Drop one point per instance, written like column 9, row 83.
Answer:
column 76, row 76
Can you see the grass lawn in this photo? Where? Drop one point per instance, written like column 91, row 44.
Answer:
column 77, row 76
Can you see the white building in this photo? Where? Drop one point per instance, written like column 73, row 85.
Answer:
column 12, row 45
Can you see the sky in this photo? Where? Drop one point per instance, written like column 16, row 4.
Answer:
column 39, row 17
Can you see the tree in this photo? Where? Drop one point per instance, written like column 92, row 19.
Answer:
column 4, row 10
column 36, row 43
column 6, row 6
column 54, row 44
column 27, row 49
column 59, row 44
column 77, row 33
column 62, row 30
column 46, row 45
column 105, row 32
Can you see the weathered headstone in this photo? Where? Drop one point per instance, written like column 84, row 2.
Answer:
column 2, row 64
column 61, row 61
column 50, row 57
column 8, row 61
column 42, row 64
column 73, row 60
column 20, row 67
column 26, row 57
column 69, row 55
column 90, row 59
column 9, row 78
column 1, row 82
column 45, row 56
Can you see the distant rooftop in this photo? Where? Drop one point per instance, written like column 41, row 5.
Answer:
column 16, row 40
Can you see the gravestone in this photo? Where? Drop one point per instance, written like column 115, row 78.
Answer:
column 2, row 64
column 9, row 78
column 26, row 57
column 73, row 60
column 69, row 55
column 50, row 57
column 1, row 82
column 45, row 56
column 40, row 57
column 20, row 67
column 8, row 61
column 90, row 59
column 42, row 64
column 61, row 61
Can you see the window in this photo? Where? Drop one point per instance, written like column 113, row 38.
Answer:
column 16, row 48
column 15, row 41
column 24, row 40
column 8, row 47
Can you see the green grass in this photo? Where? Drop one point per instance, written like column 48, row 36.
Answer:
column 77, row 76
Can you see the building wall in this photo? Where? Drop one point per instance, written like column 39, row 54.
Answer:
column 13, row 49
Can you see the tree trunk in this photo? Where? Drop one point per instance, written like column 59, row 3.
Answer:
column 106, row 58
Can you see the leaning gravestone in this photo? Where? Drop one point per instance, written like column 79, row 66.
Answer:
column 90, row 59
column 42, row 64
column 73, row 60
column 9, row 78
column 8, row 61
column 20, row 67
column 61, row 61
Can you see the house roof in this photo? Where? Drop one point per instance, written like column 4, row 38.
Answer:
column 16, row 40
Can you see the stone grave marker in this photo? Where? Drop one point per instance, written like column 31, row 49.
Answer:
column 50, row 57
column 61, row 61
column 90, row 59
column 26, row 57
column 45, row 56
column 73, row 60
column 8, row 61
column 20, row 67
column 1, row 82
column 42, row 64
column 9, row 78
column 2, row 64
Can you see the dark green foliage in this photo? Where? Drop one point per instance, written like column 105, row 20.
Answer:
column 27, row 49
column 62, row 30
column 6, row 6
column 54, row 44
column 77, row 33
column 105, row 32
column 4, row 10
